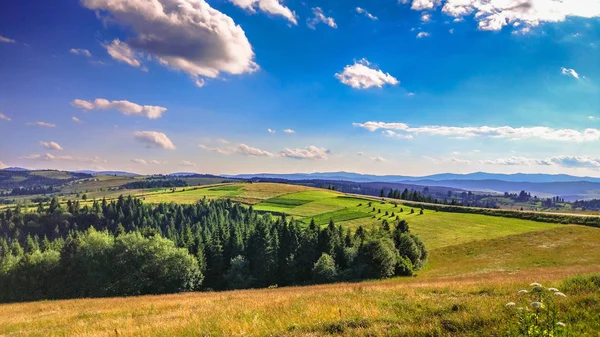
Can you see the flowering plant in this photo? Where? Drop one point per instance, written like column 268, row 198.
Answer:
column 536, row 313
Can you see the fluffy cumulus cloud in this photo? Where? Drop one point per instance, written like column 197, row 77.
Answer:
column 362, row 75
column 311, row 152
column 154, row 139
column 319, row 17
column 562, row 161
column 422, row 35
column 120, row 51
column 51, row 157
column 125, row 107
column 185, row 35
column 367, row 14
column 43, row 124
column 569, row 72
column 6, row 40
column 51, row 146
column 273, row 7
column 507, row 132
column 77, row 51
column 522, row 14
column 4, row 117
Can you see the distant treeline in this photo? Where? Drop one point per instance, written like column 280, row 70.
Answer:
column 587, row 205
column 126, row 247
column 26, row 179
column 28, row 191
column 534, row 216
column 155, row 183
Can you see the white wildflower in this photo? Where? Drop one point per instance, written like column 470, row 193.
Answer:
column 558, row 293
column 552, row 289
column 510, row 304
column 521, row 292
column 535, row 284
column 537, row 305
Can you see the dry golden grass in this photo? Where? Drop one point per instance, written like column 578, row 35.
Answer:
column 406, row 306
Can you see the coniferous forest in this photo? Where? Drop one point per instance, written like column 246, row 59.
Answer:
column 126, row 247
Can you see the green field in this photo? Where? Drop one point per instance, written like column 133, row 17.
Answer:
column 477, row 263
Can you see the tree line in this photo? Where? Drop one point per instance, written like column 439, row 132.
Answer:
column 126, row 247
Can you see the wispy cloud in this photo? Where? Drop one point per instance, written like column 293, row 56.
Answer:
column 271, row 130
column 154, row 139
column 273, row 7
column 569, row 72
column 378, row 159
column 3, row 116
column 562, row 161
column 539, row 132
column 310, row 152
column 319, row 17
column 6, row 40
column 123, row 106
column 289, row 131
column 366, row 13
column 44, row 124
column 76, row 120
column 51, row 157
column 77, row 51
column 362, row 75
column 2, row 165
column 51, row 146
column 147, row 162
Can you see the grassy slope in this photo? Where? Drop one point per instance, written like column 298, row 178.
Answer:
column 476, row 265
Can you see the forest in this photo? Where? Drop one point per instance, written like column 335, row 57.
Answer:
column 125, row 247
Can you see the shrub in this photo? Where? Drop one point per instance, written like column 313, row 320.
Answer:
column 324, row 270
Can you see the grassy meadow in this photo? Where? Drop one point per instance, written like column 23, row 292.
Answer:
column 477, row 264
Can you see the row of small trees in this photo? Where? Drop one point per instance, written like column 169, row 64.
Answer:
column 126, row 247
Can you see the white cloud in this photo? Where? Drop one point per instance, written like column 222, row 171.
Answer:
column 77, row 51
column 121, row 52
column 378, row 159
column 271, row 130
column 289, row 131
column 569, row 72
column 391, row 133
column 273, row 7
column 424, row 4
column 367, row 14
column 593, row 118
column 360, row 153
column 6, row 40
column 2, row 165
column 448, row 160
column 361, row 75
column 147, row 162
column 184, row 35
column 44, row 124
column 241, row 149
column 425, row 17
column 51, row 157
column 508, row 132
column 493, row 15
column 125, row 107
column 187, row 163
column 76, row 120
column 51, row 146
column 154, row 139
column 562, row 161
column 320, row 17
column 3, row 116
column 422, row 35
column 310, row 152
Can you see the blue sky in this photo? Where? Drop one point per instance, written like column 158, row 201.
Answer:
column 395, row 87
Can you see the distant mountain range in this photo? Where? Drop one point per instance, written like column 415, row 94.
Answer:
column 357, row 177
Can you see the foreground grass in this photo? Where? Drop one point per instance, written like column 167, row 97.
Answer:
column 461, row 306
